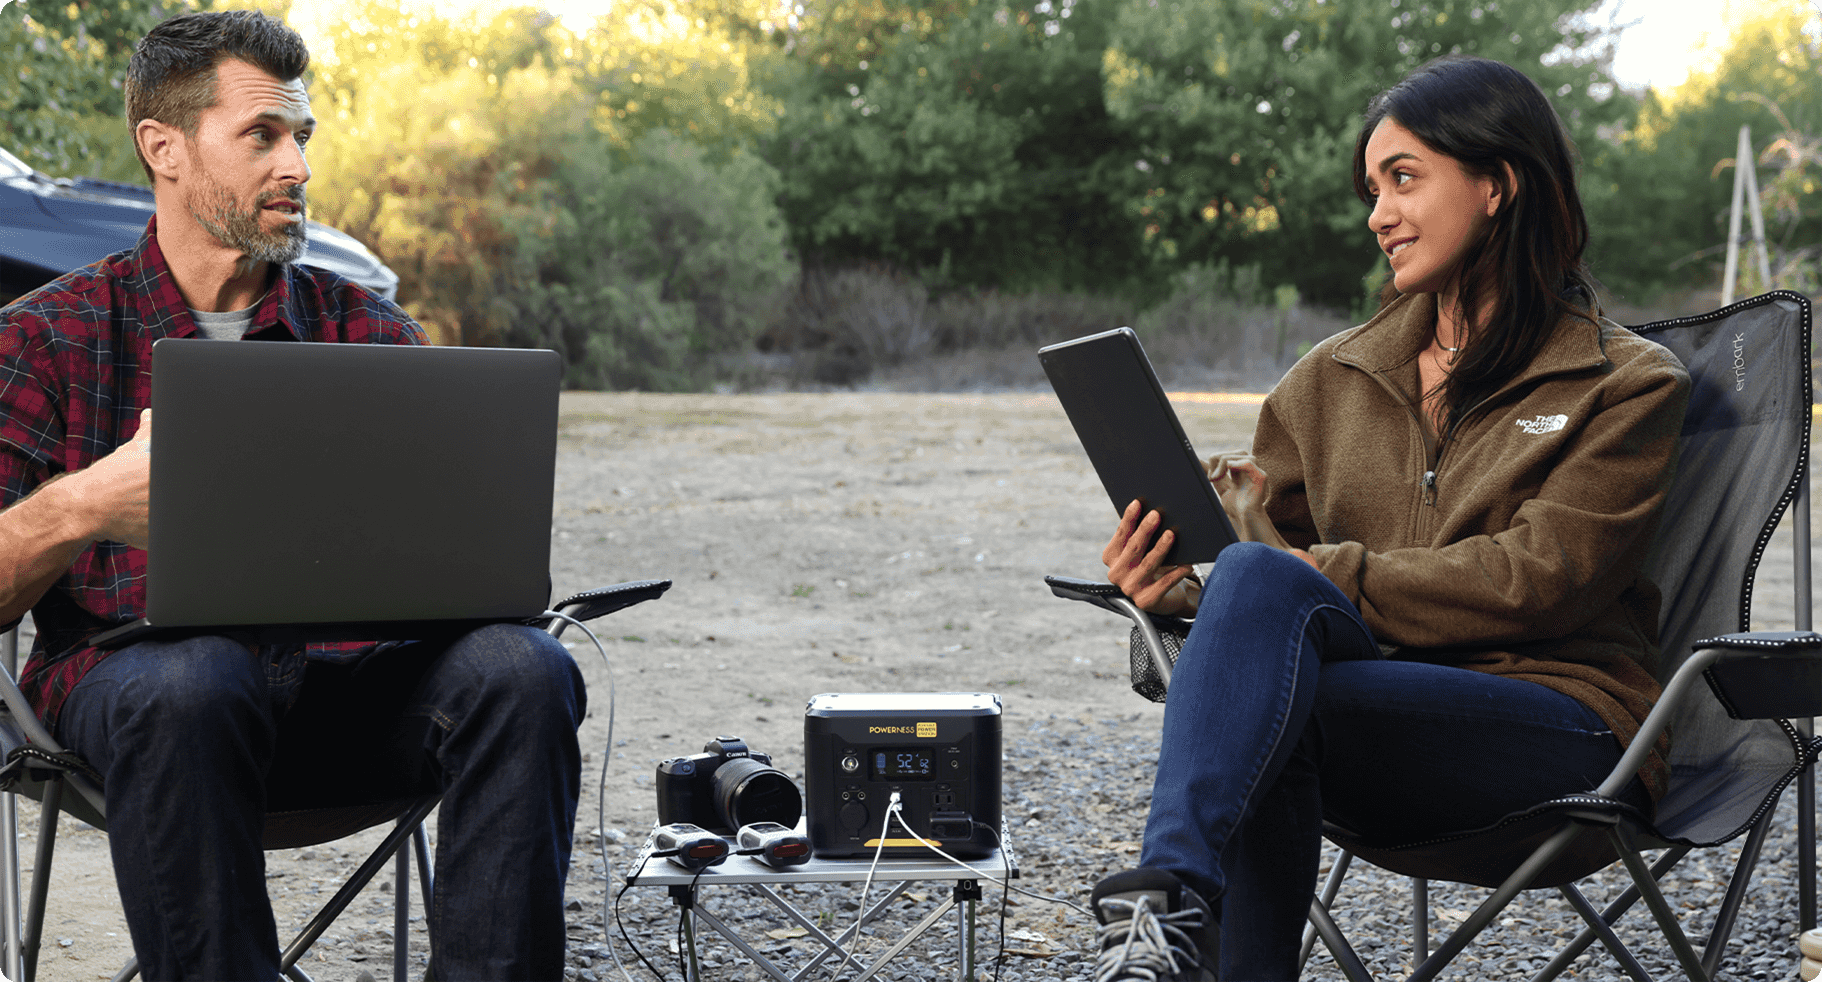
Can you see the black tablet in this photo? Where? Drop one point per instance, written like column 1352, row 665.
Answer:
column 1135, row 441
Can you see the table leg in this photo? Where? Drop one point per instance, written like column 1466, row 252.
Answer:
column 910, row 936
column 833, row 946
column 966, row 893
column 685, row 899
column 764, row 963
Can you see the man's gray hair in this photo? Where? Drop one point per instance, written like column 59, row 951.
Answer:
column 171, row 77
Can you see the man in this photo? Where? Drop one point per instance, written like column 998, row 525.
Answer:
column 197, row 739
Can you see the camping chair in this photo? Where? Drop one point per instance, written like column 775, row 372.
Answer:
column 1738, row 740
column 36, row 767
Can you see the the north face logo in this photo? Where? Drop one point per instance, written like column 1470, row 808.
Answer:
column 1543, row 424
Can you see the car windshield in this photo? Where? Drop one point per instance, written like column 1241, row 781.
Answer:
column 11, row 166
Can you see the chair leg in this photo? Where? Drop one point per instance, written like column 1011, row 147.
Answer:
column 1420, row 918
column 420, row 844
column 41, row 875
column 14, row 963
column 1330, row 889
column 1490, row 908
column 401, row 913
column 1600, row 925
column 1337, row 943
column 1806, row 842
column 1615, row 910
column 1660, row 908
column 354, row 886
column 1716, row 948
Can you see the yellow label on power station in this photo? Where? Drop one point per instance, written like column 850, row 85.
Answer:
column 874, row 843
column 926, row 730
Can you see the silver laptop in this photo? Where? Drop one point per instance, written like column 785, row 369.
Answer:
column 323, row 492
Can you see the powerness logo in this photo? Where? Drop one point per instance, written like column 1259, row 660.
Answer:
column 921, row 730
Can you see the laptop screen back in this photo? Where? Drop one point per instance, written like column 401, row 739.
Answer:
column 300, row 483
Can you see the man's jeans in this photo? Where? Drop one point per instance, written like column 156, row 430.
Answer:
column 197, row 739
column 1281, row 709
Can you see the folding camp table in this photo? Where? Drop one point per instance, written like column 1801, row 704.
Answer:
column 894, row 876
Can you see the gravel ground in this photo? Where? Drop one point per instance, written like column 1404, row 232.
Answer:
column 1087, row 823
column 869, row 542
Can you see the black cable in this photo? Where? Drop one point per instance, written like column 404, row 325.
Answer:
column 682, row 960
column 1005, row 895
column 629, row 938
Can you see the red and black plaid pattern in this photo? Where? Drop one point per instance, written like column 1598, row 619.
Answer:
column 75, row 372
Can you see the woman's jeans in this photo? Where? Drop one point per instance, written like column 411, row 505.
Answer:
column 197, row 739
column 1281, row 710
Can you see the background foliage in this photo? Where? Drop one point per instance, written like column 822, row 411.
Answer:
column 664, row 188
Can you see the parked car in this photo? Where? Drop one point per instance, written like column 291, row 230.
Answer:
column 49, row 226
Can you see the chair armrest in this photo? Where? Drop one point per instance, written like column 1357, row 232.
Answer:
column 1109, row 597
column 1767, row 674
column 590, row 604
column 1777, row 650
column 1097, row 592
column 1148, row 625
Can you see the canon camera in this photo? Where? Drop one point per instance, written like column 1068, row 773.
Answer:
column 725, row 787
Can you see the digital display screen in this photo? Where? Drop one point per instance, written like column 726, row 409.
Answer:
column 903, row 764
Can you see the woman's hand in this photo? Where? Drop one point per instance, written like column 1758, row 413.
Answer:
column 1241, row 485
column 1135, row 568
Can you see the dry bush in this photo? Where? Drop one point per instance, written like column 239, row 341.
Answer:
column 843, row 326
column 1218, row 329
column 991, row 319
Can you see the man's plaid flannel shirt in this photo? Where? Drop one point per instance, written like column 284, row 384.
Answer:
column 75, row 371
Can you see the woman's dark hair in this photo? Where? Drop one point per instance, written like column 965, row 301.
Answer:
column 1526, row 273
column 171, row 77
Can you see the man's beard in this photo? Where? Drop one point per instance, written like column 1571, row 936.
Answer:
column 215, row 209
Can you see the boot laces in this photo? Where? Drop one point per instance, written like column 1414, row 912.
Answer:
column 1146, row 945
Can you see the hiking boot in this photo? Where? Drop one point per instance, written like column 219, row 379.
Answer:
column 1154, row 928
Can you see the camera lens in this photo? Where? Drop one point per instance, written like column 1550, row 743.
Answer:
column 747, row 791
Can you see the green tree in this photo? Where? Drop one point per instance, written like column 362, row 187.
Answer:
column 1244, row 115
column 64, row 112
column 1660, row 191
column 484, row 161
column 644, row 269
column 966, row 139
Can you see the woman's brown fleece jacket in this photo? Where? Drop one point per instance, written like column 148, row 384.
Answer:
column 1516, row 546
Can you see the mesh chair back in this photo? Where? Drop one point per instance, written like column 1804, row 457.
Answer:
column 1745, row 447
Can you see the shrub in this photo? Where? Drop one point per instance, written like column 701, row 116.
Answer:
column 643, row 269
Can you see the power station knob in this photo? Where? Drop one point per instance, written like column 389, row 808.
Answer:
column 850, row 764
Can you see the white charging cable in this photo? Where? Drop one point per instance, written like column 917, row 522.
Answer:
column 894, row 812
column 860, row 917
column 607, row 754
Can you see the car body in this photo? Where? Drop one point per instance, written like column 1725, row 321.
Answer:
column 49, row 226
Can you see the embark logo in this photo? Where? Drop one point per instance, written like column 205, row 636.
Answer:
column 1739, row 362
column 1543, row 424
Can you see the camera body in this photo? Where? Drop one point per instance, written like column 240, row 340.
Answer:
column 725, row 787
column 940, row 751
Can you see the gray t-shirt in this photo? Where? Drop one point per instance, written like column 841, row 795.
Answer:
column 228, row 326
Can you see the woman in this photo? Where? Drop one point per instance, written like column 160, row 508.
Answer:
column 1445, row 515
